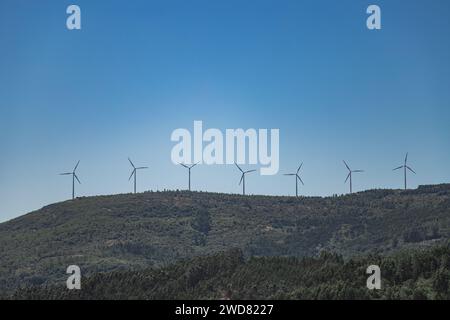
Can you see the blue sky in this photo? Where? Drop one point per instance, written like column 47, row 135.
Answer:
column 140, row 69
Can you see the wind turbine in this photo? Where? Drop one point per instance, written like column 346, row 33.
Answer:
column 243, row 177
column 134, row 173
column 405, row 166
column 297, row 178
column 350, row 171
column 189, row 169
column 74, row 176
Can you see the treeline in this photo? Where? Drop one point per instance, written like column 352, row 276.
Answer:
column 154, row 229
column 416, row 274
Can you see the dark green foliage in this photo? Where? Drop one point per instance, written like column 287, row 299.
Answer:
column 201, row 222
column 328, row 276
column 154, row 229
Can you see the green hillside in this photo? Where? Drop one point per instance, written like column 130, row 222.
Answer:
column 409, row 274
column 153, row 229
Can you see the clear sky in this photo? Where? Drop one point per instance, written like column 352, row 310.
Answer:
column 140, row 69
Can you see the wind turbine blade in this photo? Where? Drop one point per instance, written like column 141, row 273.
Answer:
column 132, row 172
column 242, row 178
column 77, row 178
column 358, row 170
column 348, row 177
column 75, row 169
column 406, row 158
column 299, row 167
column 182, row 164
column 411, row 170
column 397, row 168
column 239, row 167
column 347, row 165
column 249, row 171
column 132, row 164
column 290, row 174
column 142, row 168
column 65, row 174
column 300, row 179
column 194, row 164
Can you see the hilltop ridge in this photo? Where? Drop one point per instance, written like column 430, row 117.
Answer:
column 153, row 229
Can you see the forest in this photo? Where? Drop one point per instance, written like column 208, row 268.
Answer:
column 409, row 274
column 153, row 230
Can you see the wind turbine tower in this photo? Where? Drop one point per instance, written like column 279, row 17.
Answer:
column 297, row 178
column 242, row 181
column 349, row 176
column 134, row 172
column 189, row 169
column 74, row 176
column 405, row 167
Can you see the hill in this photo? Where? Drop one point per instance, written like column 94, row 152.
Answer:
column 409, row 274
column 153, row 229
